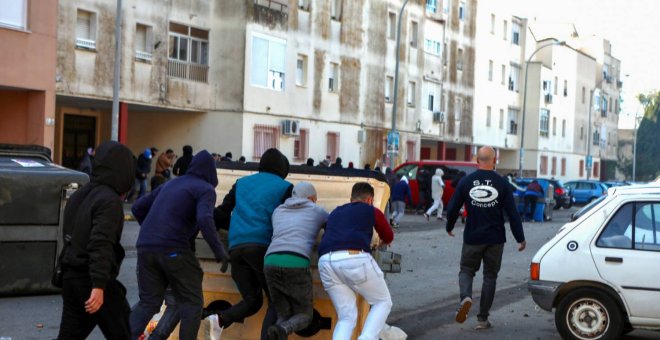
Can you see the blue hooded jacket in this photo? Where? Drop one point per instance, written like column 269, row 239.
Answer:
column 171, row 216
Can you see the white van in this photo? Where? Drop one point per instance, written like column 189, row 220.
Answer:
column 601, row 272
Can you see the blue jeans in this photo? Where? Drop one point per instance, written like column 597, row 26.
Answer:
column 180, row 271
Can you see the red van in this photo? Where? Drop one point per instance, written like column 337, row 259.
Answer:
column 450, row 168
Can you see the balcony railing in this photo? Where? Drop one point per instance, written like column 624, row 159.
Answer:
column 188, row 71
column 271, row 12
column 143, row 55
column 86, row 43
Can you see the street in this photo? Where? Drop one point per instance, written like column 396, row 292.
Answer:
column 425, row 293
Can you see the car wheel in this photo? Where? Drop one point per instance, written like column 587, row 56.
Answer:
column 557, row 205
column 588, row 313
column 568, row 204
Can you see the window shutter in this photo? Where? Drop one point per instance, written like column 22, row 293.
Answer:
column 83, row 25
column 141, row 38
column 259, row 65
column 276, row 56
column 13, row 13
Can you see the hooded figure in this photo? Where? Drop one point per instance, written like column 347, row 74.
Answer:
column 181, row 165
column 437, row 189
column 86, row 162
column 250, row 203
column 170, row 219
column 92, row 255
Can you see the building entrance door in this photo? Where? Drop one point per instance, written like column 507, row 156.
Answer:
column 78, row 135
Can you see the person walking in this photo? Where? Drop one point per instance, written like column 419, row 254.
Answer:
column 181, row 165
column 437, row 189
column 487, row 197
column 86, row 161
column 141, row 174
column 92, row 255
column 170, row 219
column 400, row 193
column 296, row 224
column 163, row 170
column 250, row 203
column 347, row 268
column 531, row 196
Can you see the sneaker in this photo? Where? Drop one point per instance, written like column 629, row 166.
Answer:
column 483, row 325
column 426, row 216
column 463, row 309
column 277, row 332
column 441, row 218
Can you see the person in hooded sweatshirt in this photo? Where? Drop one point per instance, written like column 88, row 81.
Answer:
column 181, row 165
column 400, row 193
column 92, row 256
column 170, row 218
column 437, row 189
column 296, row 224
column 247, row 209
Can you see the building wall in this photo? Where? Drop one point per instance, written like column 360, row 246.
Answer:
column 28, row 73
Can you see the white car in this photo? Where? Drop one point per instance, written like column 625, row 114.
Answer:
column 601, row 272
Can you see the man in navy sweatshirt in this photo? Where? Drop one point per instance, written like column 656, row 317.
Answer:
column 487, row 197
column 170, row 218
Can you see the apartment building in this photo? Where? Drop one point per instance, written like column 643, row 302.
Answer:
column 27, row 75
column 313, row 78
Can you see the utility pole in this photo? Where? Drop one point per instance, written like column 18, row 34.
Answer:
column 115, row 84
column 393, row 136
column 634, row 165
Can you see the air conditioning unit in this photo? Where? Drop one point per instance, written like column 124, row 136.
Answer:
column 291, row 127
column 438, row 117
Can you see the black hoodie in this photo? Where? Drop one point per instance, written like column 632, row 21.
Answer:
column 181, row 165
column 94, row 217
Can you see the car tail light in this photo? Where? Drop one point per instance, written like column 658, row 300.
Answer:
column 559, row 191
column 535, row 271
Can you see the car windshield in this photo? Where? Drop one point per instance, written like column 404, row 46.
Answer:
column 586, row 208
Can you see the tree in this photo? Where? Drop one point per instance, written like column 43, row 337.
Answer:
column 648, row 143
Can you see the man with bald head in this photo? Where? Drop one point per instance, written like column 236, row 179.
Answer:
column 487, row 197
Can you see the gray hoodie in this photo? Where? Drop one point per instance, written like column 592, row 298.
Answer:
column 296, row 223
column 437, row 184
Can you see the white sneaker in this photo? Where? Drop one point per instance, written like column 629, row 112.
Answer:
column 483, row 325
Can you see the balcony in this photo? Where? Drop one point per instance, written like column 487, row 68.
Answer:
column 271, row 13
column 145, row 56
column 188, row 71
column 86, row 43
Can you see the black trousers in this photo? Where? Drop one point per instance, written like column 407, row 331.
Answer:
column 112, row 317
column 247, row 270
column 530, row 200
column 291, row 291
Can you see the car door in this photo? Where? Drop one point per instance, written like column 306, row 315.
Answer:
column 627, row 255
column 581, row 192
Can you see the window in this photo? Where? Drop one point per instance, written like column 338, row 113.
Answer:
column 490, row 70
column 431, row 6
column 265, row 137
column 609, row 105
column 638, row 221
column 391, row 26
column 618, row 231
column 503, row 74
column 432, row 46
column 411, row 94
column 563, row 127
column 584, row 92
column 268, row 62
column 333, row 77
column 86, row 29
column 563, row 167
column 501, row 119
column 513, row 121
column 459, row 60
column 461, row 11
column 596, row 170
column 335, row 9
column 14, row 14
column 411, row 150
column 301, row 70
column 647, row 226
column 488, row 113
column 446, row 5
column 595, row 138
column 188, row 52
column 554, row 126
column 545, row 122
column 301, row 145
column 333, row 145
column 581, row 166
column 303, row 5
column 143, row 42
column 413, row 34
column 505, row 30
column 430, row 97
column 514, row 77
column 515, row 33
column 556, row 82
column 543, row 165
column 389, row 81
column 565, row 88
column 553, row 166
column 492, row 24
column 581, row 132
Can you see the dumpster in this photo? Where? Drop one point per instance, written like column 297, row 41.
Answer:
column 334, row 188
column 33, row 193
column 544, row 205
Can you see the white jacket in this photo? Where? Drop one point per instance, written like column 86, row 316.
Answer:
column 437, row 184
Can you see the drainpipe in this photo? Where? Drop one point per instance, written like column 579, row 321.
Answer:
column 115, row 84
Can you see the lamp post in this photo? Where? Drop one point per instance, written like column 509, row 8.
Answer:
column 393, row 132
column 589, row 159
column 117, row 73
column 634, row 168
column 522, row 131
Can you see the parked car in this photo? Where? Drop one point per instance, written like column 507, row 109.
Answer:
column 610, row 184
column 450, row 168
column 563, row 196
column 596, row 273
column 586, row 191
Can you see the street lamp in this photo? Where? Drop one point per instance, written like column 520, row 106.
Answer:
column 394, row 133
column 634, row 168
column 522, row 131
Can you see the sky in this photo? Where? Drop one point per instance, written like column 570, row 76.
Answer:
column 632, row 26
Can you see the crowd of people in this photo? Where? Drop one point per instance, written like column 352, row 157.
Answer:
column 272, row 228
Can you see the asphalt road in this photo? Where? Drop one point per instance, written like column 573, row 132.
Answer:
column 425, row 293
